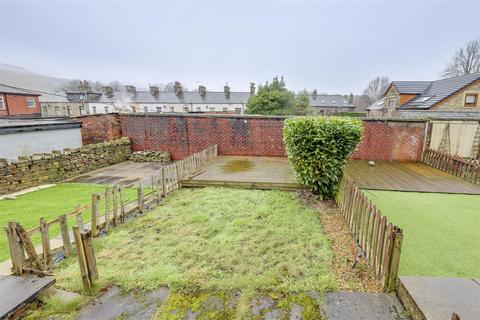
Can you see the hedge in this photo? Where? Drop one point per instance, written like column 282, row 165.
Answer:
column 318, row 149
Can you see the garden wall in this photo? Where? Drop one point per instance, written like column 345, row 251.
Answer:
column 44, row 168
column 182, row 135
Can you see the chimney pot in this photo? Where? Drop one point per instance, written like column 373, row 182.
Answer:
column 154, row 90
column 130, row 89
column 252, row 88
column 177, row 88
column 202, row 90
column 315, row 94
column 108, row 91
column 226, row 90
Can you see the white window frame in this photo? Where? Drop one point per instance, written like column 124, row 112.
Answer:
column 2, row 103
column 34, row 103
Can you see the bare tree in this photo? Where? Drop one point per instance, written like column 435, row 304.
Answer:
column 361, row 102
column 465, row 61
column 376, row 88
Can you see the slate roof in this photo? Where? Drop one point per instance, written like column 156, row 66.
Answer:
column 330, row 101
column 411, row 87
column 439, row 90
column 14, row 90
column 171, row 97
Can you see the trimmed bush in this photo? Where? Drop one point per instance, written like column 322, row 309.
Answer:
column 318, row 149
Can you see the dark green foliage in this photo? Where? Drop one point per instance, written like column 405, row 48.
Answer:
column 302, row 104
column 272, row 99
column 318, row 149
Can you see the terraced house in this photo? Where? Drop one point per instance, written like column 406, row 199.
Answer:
column 446, row 98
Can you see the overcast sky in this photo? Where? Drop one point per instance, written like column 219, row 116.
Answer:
column 335, row 47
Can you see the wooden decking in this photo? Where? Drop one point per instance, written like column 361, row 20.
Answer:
column 15, row 292
column 407, row 176
column 248, row 172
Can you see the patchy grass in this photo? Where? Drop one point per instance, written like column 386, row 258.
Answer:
column 216, row 240
column 441, row 231
column 48, row 203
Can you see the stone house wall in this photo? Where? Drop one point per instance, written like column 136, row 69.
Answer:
column 456, row 101
column 30, row 171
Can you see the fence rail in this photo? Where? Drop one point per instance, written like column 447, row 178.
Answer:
column 115, row 210
column 379, row 239
column 466, row 169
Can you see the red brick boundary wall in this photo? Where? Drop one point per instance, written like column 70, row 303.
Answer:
column 182, row 135
column 400, row 140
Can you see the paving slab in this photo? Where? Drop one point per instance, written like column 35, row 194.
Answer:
column 115, row 304
column 123, row 173
column 364, row 306
column 438, row 298
column 16, row 291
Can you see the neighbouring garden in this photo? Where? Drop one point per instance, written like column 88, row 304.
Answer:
column 48, row 203
column 441, row 231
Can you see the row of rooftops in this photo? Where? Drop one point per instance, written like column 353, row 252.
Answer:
column 178, row 96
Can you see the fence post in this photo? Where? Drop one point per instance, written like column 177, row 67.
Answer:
column 29, row 247
column 47, row 257
column 90, row 256
column 122, row 203
column 80, row 224
column 115, row 205
column 65, row 236
column 140, row 195
column 395, row 259
column 95, row 210
column 82, row 261
column 108, row 192
column 15, row 248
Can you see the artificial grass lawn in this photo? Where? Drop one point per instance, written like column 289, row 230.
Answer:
column 48, row 203
column 441, row 231
column 216, row 240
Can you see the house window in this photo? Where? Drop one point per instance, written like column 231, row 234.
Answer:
column 2, row 104
column 172, row 109
column 391, row 102
column 106, row 109
column 57, row 110
column 471, row 100
column 145, row 109
column 82, row 110
column 199, row 108
column 211, row 108
column 185, row 109
column 159, row 109
column 31, row 102
column 238, row 110
column 94, row 110
column 44, row 110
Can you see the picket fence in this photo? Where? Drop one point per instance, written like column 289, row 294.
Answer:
column 379, row 240
column 466, row 169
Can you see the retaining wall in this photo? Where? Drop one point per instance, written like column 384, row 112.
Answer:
column 30, row 171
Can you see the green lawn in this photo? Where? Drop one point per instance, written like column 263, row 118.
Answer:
column 48, row 203
column 441, row 231
column 216, row 241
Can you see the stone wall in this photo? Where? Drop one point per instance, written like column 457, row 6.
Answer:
column 30, row 171
column 150, row 156
column 456, row 102
column 182, row 135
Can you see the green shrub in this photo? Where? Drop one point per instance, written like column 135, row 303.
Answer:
column 318, row 149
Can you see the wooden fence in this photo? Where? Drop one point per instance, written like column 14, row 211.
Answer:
column 115, row 210
column 380, row 240
column 466, row 169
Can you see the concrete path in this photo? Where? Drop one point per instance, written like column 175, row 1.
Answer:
column 437, row 298
column 364, row 306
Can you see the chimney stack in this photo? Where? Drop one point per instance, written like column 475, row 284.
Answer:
column 315, row 94
column 252, row 89
column 108, row 91
column 226, row 90
column 177, row 88
column 130, row 89
column 202, row 90
column 154, row 90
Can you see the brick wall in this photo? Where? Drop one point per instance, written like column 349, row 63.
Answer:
column 100, row 128
column 17, row 105
column 182, row 135
column 59, row 165
column 391, row 140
